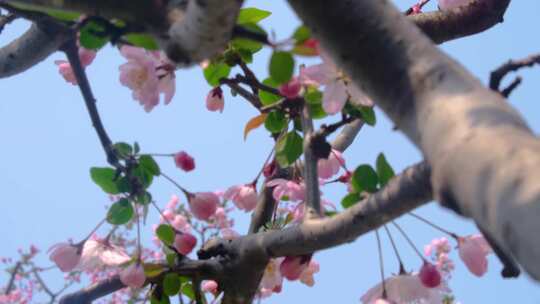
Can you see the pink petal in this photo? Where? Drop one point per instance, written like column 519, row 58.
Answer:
column 334, row 97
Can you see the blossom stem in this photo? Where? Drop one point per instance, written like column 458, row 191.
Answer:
column 139, row 247
column 256, row 179
column 409, row 240
column 186, row 193
column 455, row 236
column 381, row 263
column 159, row 154
column 93, row 230
column 161, row 213
column 396, row 251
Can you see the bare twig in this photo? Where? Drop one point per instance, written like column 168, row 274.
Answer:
column 511, row 66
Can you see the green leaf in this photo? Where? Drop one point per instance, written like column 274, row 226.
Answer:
column 350, row 199
column 275, row 121
column 289, row 148
column 187, row 290
column 56, row 13
column 364, row 179
column 136, row 147
column 281, row 66
column 142, row 40
column 104, row 178
column 153, row 270
column 251, row 15
column 384, row 170
column 92, row 36
column 301, row 34
column 314, row 99
column 144, row 199
column 144, row 176
column 368, row 115
column 266, row 97
column 120, row 212
column 171, row 284
column 123, row 150
column 247, row 44
column 171, row 259
column 148, row 163
column 215, row 71
column 166, row 234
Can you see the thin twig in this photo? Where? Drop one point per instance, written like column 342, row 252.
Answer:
column 510, row 66
column 72, row 52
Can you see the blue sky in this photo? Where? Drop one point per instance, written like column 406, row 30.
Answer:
column 48, row 146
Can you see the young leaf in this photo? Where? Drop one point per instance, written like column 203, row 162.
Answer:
column 148, row 163
column 275, row 122
column 266, row 97
column 289, row 148
column 301, row 34
column 123, row 150
column 142, row 40
column 90, row 36
column 253, row 124
column 187, row 290
column 281, row 66
column 171, row 284
column 364, row 179
column 153, row 270
column 120, row 212
column 384, row 170
column 368, row 115
column 215, row 71
column 166, row 234
column 251, row 15
column 350, row 199
column 104, row 178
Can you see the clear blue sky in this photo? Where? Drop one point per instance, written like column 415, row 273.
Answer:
column 48, row 146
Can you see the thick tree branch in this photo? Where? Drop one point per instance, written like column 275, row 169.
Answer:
column 201, row 269
column 483, row 155
column 311, row 178
column 476, row 17
column 30, row 49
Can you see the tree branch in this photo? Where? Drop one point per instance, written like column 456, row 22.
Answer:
column 476, row 17
column 34, row 46
column 511, row 66
column 483, row 155
column 311, row 178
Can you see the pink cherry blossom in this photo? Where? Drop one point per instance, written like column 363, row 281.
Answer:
column 243, row 196
column 451, row 4
column 203, row 204
column 291, row 89
column 133, row 276
column 181, row 223
column 337, row 88
column 147, row 74
column 286, row 188
column 85, row 56
column 221, row 219
column 406, row 288
column 429, row 275
column 330, row 166
column 184, row 161
column 438, row 250
column 229, row 234
column 272, row 278
column 214, row 100
column 307, row 275
column 293, row 266
column 65, row 256
column 473, row 250
column 99, row 253
column 184, row 243
column 173, row 202
column 209, row 286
